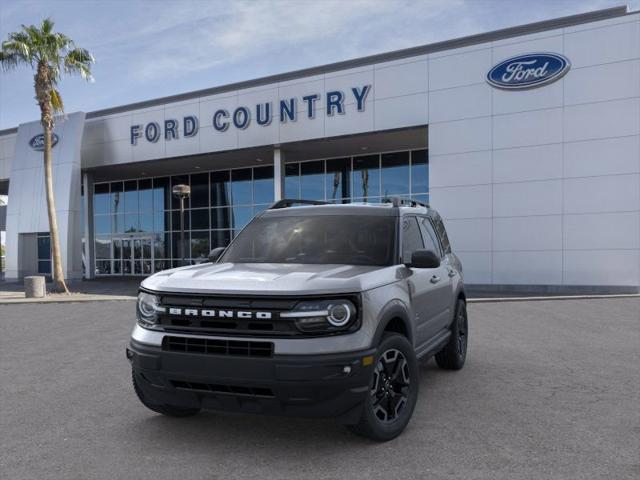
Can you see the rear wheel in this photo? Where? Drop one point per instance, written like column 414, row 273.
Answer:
column 393, row 391
column 454, row 353
column 164, row 409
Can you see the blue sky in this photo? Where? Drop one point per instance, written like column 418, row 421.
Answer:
column 149, row 49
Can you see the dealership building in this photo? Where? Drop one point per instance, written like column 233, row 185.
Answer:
column 526, row 140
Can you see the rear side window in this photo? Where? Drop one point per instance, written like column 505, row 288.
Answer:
column 429, row 236
column 411, row 238
column 442, row 233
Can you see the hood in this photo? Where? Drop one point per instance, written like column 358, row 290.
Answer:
column 271, row 279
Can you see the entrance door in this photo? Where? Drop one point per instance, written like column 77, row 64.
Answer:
column 133, row 256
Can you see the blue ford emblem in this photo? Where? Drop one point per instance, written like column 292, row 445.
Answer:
column 528, row 71
column 37, row 142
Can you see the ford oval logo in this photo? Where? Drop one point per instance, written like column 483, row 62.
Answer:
column 37, row 142
column 528, row 71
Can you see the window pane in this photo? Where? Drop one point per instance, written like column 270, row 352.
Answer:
column 162, row 265
column 179, row 180
column 220, row 218
column 44, row 247
column 161, row 245
column 429, row 236
column 117, row 249
column 146, row 222
column 145, row 195
column 200, row 219
column 131, row 222
column 312, row 180
column 161, row 221
column 395, row 174
column 366, row 177
column 419, row 171
column 103, row 267
column 161, row 194
column 411, row 238
column 292, row 180
column 101, row 198
column 103, row 247
column 131, row 196
column 102, row 224
column 263, row 185
column 337, row 179
column 220, row 189
column 175, row 244
column 200, row 190
column 242, row 216
column 117, row 197
column 241, row 186
column 220, row 238
column 44, row 266
column 200, row 245
column 175, row 220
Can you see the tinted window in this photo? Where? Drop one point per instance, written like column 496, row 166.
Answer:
column 442, row 233
column 395, row 173
column 411, row 238
column 322, row 239
column 429, row 237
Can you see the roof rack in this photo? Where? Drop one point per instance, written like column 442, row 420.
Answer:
column 290, row 202
column 404, row 202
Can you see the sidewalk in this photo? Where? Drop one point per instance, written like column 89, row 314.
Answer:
column 104, row 289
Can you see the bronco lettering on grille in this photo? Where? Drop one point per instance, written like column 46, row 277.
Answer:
column 193, row 312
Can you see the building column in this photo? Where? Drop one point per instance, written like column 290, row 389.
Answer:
column 278, row 174
column 87, row 222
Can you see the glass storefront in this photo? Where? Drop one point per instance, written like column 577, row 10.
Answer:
column 137, row 222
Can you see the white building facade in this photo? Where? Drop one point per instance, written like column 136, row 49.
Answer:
column 526, row 140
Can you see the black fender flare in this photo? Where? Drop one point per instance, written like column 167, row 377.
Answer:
column 393, row 309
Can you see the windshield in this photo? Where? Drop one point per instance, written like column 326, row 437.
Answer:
column 341, row 239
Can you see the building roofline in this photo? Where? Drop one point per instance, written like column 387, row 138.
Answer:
column 494, row 35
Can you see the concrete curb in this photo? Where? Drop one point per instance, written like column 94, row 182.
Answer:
column 550, row 298
column 67, row 299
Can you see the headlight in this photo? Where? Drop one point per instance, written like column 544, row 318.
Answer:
column 147, row 309
column 323, row 316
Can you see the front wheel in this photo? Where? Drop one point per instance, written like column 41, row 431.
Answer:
column 393, row 391
column 454, row 353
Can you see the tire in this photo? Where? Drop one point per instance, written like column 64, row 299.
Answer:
column 164, row 409
column 393, row 391
column 454, row 353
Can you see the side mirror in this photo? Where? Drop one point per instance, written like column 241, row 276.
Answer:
column 214, row 254
column 424, row 259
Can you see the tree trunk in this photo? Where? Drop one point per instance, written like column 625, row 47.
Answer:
column 59, row 284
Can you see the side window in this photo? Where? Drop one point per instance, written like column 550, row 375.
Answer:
column 429, row 236
column 442, row 233
column 411, row 238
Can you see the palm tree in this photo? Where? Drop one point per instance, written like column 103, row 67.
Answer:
column 50, row 55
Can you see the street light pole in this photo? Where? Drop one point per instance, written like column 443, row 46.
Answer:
column 182, row 192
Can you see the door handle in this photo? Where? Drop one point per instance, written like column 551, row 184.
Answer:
column 435, row 279
column 452, row 273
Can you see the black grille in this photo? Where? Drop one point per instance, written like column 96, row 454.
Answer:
column 230, row 389
column 212, row 346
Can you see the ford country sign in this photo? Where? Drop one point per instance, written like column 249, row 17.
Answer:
column 528, row 71
column 37, row 142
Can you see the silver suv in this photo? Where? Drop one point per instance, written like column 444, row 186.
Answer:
column 313, row 310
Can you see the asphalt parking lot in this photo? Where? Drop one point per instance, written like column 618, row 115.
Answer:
column 551, row 389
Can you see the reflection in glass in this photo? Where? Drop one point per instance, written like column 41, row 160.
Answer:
column 337, row 179
column 395, row 173
column 103, row 247
column 420, row 171
column 101, row 198
column 179, row 180
column 44, row 267
column 161, row 194
column 220, row 189
column 220, row 238
column 241, row 186
column 145, row 195
column 292, row 180
column 175, row 220
column 102, row 224
column 131, row 203
column 242, row 216
column 312, row 180
column 161, row 221
column 200, row 244
column 366, row 177
column 131, row 223
column 117, row 248
column 200, row 190
column 220, row 218
column 116, row 198
column 146, row 222
column 200, row 219
column 160, row 245
column 263, row 185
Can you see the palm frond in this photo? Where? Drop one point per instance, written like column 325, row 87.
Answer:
column 56, row 101
column 79, row 61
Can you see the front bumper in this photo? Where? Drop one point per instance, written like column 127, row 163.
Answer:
column 293, row 385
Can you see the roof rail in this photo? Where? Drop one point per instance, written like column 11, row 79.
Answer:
column 290, row 202
column 404, row 202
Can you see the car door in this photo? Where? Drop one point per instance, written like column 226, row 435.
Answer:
column 443, row 291
column 422, row 282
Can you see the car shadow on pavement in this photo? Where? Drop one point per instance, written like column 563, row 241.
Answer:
column 230, row 431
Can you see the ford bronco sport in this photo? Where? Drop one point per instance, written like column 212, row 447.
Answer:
column 313, row 310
